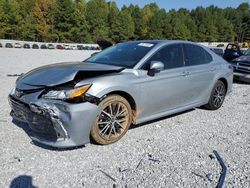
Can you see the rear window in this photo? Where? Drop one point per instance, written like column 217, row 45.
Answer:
column 196, row 55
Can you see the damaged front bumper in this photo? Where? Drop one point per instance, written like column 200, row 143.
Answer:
column 56, row 123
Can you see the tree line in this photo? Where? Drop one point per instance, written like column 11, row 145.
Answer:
column 83, row 21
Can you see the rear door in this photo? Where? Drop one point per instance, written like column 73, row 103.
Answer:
column 200, row 72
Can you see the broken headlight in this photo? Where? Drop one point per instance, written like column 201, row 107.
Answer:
column 67, row 94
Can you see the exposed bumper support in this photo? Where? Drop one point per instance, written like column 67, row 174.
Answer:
column 54, row 116
column 71, row 122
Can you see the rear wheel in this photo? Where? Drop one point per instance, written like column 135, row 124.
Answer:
column 217, row 96
column 113, row 121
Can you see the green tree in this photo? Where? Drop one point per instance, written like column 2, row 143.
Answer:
column 243, row 24
column 87, row 20
column 123, row 27
column 139, row 23
column 148, row 12
column 157, row 24
column 79, row 32
column 113, row 20
column 27, row 23
column 65, row 20
column 44, row 20
column 179, row 30
column 14, row 19
column 97, row 12
column 4, row 19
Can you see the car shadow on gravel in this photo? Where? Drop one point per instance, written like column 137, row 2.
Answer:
column 238, row 82
column 28, row 131
column 160, row 119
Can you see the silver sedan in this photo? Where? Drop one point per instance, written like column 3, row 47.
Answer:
column 69, row 104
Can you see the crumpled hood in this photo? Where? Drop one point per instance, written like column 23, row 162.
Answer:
column 245, row 58
column 60, row 73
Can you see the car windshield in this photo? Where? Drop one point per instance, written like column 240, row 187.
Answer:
column 247, row 52
column 123, row 55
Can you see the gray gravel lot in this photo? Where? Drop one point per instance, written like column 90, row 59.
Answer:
column 170, row 152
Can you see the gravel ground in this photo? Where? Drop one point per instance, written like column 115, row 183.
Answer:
column 170, row 152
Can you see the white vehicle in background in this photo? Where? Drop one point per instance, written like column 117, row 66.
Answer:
column 74, row 47
column 67, row 47
column 17, row 45
column 51, row 46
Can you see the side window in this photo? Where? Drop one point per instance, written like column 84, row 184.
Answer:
column 171, row 56
column 196, row 55
column 208, row 56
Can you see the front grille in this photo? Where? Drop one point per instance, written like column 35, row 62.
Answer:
column 240, row 71
column 246, row 64
column 243, row 67
column 41, row 125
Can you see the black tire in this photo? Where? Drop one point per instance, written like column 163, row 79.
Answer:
column 217, row 96
column 113, row 122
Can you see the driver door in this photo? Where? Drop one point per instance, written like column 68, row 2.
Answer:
column 165, row 90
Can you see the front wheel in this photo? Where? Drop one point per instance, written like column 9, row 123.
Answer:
column 113, row 121
column 217, row 96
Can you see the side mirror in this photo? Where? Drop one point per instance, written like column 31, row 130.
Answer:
column 155, row 67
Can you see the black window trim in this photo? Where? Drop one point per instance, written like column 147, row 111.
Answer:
column 184, row 53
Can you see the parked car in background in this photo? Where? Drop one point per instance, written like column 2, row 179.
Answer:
column 241, row 67
column 79, row 47
column 35, row 46
column 232, row 51
column 220, row 45
column 67, row 47
column 17, row 45
column 59, row 47
column 8, row 45
column 87, row 48
column 51, row 46
column 26, row 46
column 68, row 104
column 43, row 46
column 73, row 47
column 1, row 45
column 218, row 51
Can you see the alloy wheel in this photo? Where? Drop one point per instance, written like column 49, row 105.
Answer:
column 113, row 120
column 219, row 95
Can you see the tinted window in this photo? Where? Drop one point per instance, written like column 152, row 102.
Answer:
column 209, row 57
column 196, row 55
column 171, row 56
column 124, row 55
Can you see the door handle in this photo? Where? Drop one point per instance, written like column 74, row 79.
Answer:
column 212, row 69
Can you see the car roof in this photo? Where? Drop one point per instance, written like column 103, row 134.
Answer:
column 161, row 41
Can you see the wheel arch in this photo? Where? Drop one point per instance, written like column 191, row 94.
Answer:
column 130, row 100
column 224, row 80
